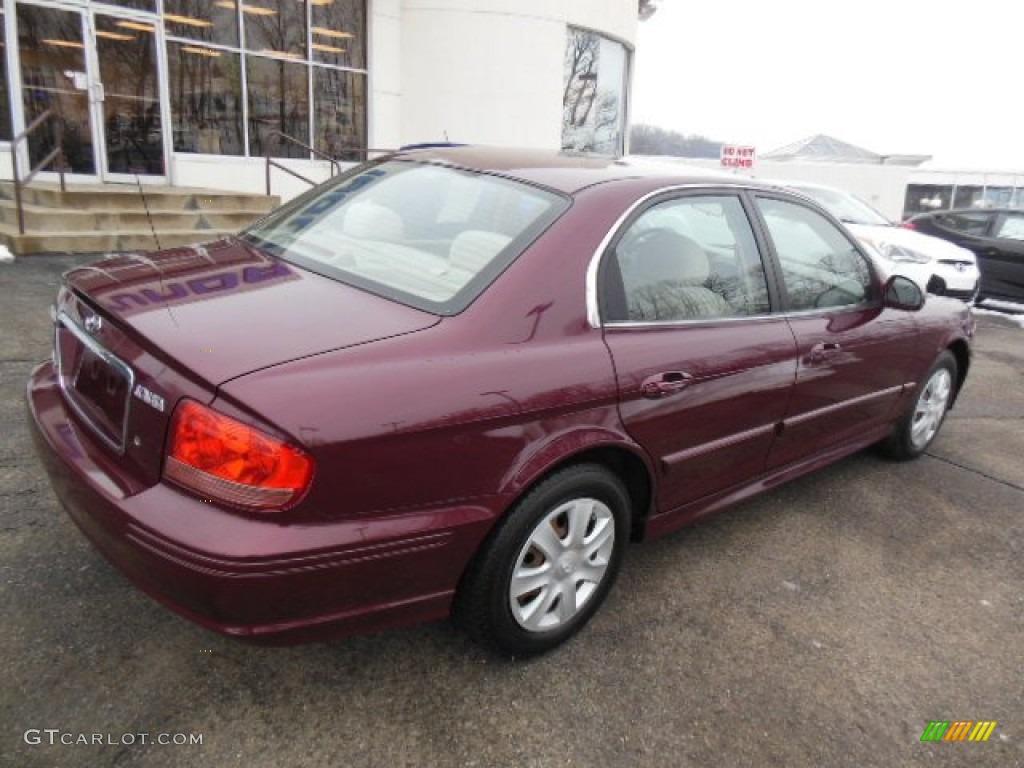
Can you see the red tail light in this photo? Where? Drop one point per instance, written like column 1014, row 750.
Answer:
column 908, row 224
column 225, row 460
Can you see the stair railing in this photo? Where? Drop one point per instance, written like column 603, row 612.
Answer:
column 56, row 153
column 335, row 164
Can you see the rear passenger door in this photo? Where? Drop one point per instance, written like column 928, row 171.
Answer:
column 703, row 367
column 854, row 356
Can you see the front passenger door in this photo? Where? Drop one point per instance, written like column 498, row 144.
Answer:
column 852, row 353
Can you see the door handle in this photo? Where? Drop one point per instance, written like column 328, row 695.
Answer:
column 665, row 384
column 821, row 352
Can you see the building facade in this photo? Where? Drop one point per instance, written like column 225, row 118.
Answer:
column 198, row 92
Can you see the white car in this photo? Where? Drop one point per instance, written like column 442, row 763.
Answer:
column 937, row 265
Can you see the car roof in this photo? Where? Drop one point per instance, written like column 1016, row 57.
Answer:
column 567, row 172
column 805, row 185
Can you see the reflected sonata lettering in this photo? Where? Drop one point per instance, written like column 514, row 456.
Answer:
column 217, row 282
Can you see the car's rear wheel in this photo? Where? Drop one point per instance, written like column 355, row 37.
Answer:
column 918, row 427
column 550, row 563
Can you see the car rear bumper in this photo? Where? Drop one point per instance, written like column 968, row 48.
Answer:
column 254, row 578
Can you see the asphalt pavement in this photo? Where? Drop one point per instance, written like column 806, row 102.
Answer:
column 826, row 623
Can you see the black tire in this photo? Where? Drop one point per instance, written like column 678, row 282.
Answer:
column 921, row 422
column 570, row 513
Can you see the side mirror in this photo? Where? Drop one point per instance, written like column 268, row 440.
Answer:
column 903, row 293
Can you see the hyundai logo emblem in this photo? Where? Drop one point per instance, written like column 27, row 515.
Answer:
column 93, row 323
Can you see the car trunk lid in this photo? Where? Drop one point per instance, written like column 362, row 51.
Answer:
column 135, row 334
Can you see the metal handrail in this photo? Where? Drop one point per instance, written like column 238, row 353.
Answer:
column 335, row 164
column 58, row 152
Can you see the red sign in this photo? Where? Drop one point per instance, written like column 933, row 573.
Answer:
column 735, row 156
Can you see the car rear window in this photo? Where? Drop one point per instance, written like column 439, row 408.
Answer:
column 427, row 235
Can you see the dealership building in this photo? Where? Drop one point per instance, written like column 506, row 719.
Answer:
column 197, row 92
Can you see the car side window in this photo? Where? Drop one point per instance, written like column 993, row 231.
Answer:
column 1012, row 227
column 685, row 259
column 821, row 268
column 970, row 223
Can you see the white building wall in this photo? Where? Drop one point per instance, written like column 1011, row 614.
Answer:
column 246, row 174
column 384, row 63
column 491, row 72
column 883, row 186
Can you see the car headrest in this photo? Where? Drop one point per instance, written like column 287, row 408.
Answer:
column 662, row 255
column 371, row 221
column 473, row 249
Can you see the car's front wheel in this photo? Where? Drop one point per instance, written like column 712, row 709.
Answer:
column 549, row 564
column 920, row 423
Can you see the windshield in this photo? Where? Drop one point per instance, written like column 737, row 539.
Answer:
column 845, row 207
column 430, row 236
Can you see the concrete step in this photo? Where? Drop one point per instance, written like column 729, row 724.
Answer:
column 41, row 218
column 35, row 241
column 128, row 197
column 87, row 218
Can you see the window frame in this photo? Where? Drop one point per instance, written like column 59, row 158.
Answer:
column 598, row 271
column 778, row 299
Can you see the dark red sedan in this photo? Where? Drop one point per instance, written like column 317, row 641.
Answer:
column 460, row 381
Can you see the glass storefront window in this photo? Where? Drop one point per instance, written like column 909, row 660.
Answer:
column 967, row 196
column 274, row 26
column 338, row 33
column 278, row 100
column 997, row 197
column 132, row 124
column 228, row 87
column 922, row 198
column 210, row 22
column 277, row 70
column 339, row 118
column 206, row 99
column 594, row 95
column 53, row 74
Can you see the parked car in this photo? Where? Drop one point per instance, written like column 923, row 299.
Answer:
column 461, row 380
column 995, row 235
column 933, row 263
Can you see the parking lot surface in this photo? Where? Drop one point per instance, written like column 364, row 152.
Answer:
column 825, row 623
